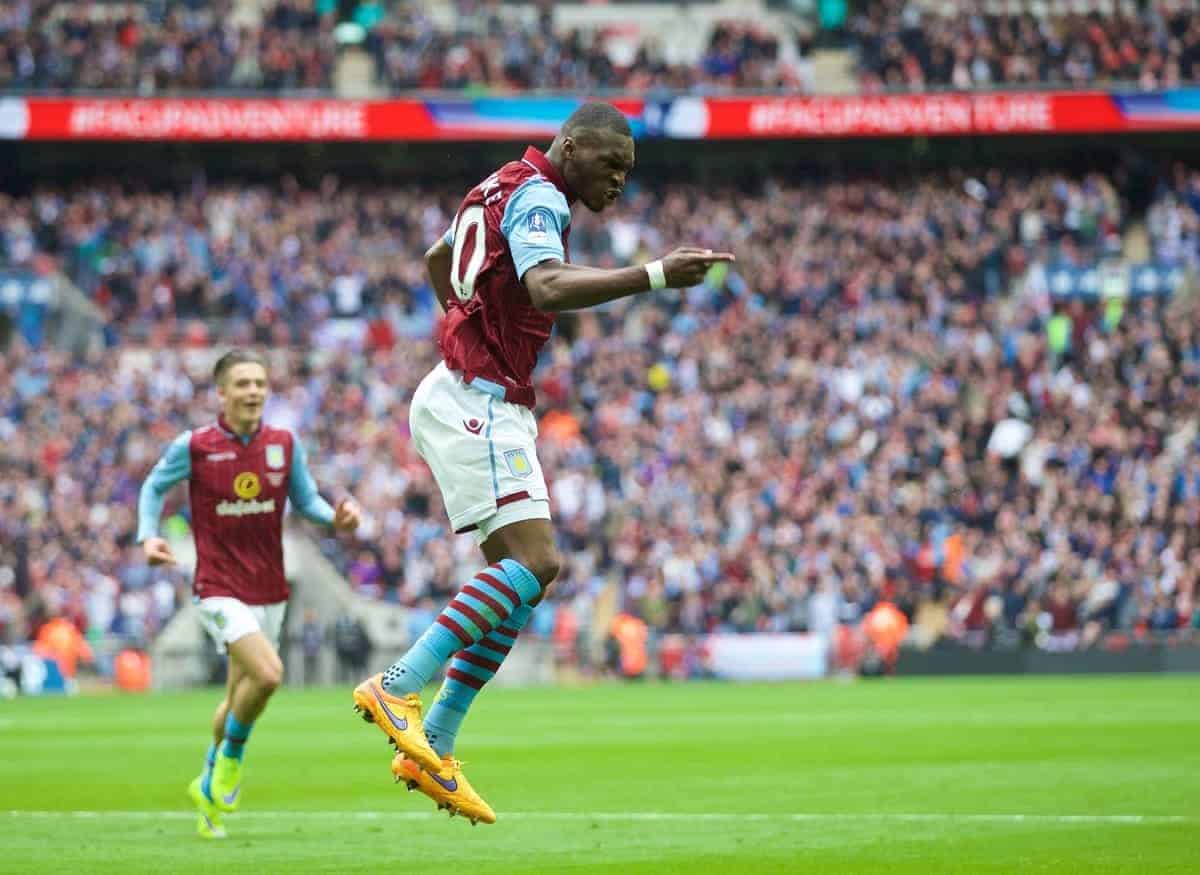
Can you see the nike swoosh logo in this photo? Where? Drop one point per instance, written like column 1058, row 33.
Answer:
column 229, row 798
column 450, row 786
column 399, row 722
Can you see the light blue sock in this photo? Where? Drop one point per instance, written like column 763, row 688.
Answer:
column 469, row 670
column 488, row 600
column 236, row 734
column 206, row 775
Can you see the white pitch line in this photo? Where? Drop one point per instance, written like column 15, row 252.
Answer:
column 802, row 817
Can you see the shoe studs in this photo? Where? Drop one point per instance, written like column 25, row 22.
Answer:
column 366, row 715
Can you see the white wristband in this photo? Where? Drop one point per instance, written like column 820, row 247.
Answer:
column 658, row 277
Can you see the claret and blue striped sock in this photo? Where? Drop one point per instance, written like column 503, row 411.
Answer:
column 469, row 670
column 480, row 607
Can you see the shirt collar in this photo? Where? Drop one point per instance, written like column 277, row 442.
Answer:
column 229, row 432
column 537, row 159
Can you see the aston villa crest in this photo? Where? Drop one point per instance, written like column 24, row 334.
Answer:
column 275, row 456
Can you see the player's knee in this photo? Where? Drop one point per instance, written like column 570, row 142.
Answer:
column 271, row 681
column 545, row 565
column 269, row 677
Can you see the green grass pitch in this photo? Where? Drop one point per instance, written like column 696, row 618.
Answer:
column 1013, row 775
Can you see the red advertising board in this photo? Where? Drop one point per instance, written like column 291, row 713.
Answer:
column 537, row 118
column 1034, row 113
column 838, row 116
column 916, row 115
column 144, row 119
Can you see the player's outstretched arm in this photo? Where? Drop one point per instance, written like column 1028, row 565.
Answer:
column 303, row 494
column 554, row 285
column 174, row 466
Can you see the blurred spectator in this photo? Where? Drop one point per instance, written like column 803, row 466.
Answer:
column 1174, row 219
column 352, row 646
column 629, row 635
column 312, row 642
column 61, row 641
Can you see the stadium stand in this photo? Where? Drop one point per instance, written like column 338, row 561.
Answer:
column 972, row 409
column 981, row 45
column 156, row 47
column 150, row 47
column 374, row 47
column 234, row 46
column 514, row 47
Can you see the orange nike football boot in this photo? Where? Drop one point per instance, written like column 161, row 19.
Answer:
column 448, row 787
column 400, row 719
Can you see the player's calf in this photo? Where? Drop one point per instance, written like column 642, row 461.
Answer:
column 262, row 673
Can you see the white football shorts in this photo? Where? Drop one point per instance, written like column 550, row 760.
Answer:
column 481, row 451
column 226, row 620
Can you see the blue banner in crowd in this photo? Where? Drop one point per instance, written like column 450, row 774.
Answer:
column 1115, row 281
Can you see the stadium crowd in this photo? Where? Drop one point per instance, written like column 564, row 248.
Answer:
column 149, row 46
column 154, row 47
column 881, row 400
column 492, row 47
column 908, row 45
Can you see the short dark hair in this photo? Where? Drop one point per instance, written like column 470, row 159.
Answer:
column 596, row 116
column 235, row 357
